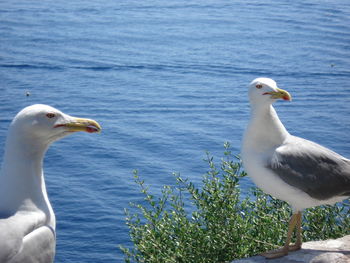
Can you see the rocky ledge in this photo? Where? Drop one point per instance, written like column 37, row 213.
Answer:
column 327, row 251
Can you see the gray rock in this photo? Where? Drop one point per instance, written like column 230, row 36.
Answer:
column 327, row 251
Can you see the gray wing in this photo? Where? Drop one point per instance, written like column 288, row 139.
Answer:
column 38, row 247
column 21, row 241
column 312, row 168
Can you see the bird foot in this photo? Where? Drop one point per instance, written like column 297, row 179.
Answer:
column 281, row 252
column 275, row 253
column 294, row 247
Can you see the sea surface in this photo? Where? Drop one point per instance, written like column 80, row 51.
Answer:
column 167, row 80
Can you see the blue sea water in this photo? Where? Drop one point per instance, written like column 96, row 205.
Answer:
column 167, row 81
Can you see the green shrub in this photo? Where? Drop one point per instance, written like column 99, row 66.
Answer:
column 214, row 223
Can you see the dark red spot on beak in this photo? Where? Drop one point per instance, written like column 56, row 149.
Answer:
column 91, row 129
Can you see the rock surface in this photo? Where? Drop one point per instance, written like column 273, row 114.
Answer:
column 328, row 251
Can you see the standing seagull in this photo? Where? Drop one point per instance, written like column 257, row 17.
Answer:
column 27, row 221
column 298, row 171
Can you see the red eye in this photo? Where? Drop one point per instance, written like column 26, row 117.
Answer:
column 259, row 86
column 50, row 115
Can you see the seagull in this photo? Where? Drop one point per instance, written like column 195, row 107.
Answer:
column 298, row 171
column 27, row 220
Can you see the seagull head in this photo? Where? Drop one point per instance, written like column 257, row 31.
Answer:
column 265, row 90
column 42, row 124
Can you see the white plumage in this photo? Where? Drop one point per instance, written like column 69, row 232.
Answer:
column 290, row 168
column 27, row 220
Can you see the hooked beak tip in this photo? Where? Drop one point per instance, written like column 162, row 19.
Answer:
column 80, row 124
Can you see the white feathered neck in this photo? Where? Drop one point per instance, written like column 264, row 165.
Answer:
column 22, row 184
column 265, row 131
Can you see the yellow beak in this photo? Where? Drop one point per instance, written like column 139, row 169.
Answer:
column 279, row 94
column 80, row 124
